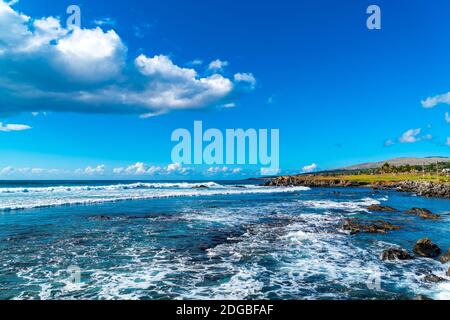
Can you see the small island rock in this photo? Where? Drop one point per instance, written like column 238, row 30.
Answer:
column 426, row 248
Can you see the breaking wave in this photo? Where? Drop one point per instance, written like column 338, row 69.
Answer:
column 41, row 197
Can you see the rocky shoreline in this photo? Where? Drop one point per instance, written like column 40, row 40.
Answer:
column 421, row 188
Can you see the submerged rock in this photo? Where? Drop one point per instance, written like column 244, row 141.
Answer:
column 445, row 257
column 395, row 254
column 377, row 207
column 426, row 248
column 423, row 213
column 100, row 218
column 432, row 278
column 355, row 226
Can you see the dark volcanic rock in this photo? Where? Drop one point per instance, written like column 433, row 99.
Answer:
column 200, row 187
column 432, row 278
column 445, row 257
column 426, row 248
column 448, row 272
column 377, row 207
column 312, row 181
column 423, row 213
column 421, row 188
column 425, row 189
column 355, row 226
column 395, row 254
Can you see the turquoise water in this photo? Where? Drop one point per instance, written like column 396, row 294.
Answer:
column 231, row 240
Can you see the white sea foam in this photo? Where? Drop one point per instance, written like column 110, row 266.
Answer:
column 351, row 206
column 300, row 254
column 137, row 185
column 85, row 195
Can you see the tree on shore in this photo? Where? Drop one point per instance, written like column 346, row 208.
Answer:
column 386, row 168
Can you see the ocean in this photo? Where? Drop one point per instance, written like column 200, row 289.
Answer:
column 209, row 240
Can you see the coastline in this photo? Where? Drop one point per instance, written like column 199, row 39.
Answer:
column 429, row 189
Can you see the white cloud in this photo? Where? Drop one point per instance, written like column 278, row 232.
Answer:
column 138, row 168
column 118, row 170
column 6, row 170
column 431, row 102
column 75, row 54
column 217, row 65
column 389, row 143
column 196, row 62
column 229, row 105
column 236, row 170
column 447, row 117
column 46, row 67
column 176, row 168
column 309, row 168
column 98, row 170
column 410, row 136
column 162, row 66
column 269, row 171
column 246, row 77
column 37, row 171
column 215, row 170
column 13, row 127
column 223, row 171
column 30, row 172
column 105, row 22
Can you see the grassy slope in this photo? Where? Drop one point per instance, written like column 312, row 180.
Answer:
column 367, row 178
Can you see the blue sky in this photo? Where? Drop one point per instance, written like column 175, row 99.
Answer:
column 71, row 104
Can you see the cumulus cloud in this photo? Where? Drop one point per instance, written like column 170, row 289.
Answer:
column 447, row 117
column 410, row 136
column 143, row 169
column 223, row 171
column 6, row 170
column 138, row 168
column 10, row 171
column 95, row 170
column 217, row 65
column 176, row 168
column 309, row 168
column 431, row 102
column 47, row 67
column 245, row 77
column 216, row 170
column 13, row 127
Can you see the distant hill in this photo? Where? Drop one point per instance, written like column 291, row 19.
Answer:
column 398, row 162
